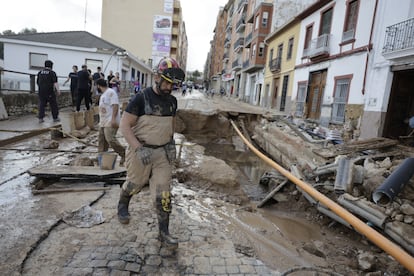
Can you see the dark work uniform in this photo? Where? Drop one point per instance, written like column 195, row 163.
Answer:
column 83, row 89
column 73, row 86
column 155, row 104
column 46, row 80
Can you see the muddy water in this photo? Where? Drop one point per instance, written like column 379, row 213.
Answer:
column 275, row 237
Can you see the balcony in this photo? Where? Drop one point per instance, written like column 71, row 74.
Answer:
column 239, row 44
column 246, row 64
column 236, row 65
column 228, row 27
column 241, row 24
column 248, row 40
column 319, row 47
column 242, row 4
column 225, row 58
column 227, row 43
column 399, row 40
column 275, row 64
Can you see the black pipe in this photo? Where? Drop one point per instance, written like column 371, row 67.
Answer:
column 394, row 183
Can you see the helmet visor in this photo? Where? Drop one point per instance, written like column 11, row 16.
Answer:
column 173, row 75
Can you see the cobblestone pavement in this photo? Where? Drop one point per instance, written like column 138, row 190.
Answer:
column 134, row 249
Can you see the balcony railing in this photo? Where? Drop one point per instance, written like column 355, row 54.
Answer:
column 236, row 65
column 248, row 40
column 318, row 46
column 399, row 37
column 239, row 44
column 241, row 4
column 241, row 24
column 275, row 64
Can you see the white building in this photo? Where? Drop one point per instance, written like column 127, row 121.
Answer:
column 389, row 83
column 331, row 63
column 24, row 55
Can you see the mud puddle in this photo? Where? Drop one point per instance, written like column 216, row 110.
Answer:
column 273, row 236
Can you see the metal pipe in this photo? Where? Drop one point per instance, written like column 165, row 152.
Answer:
column 391, row 248
column 394, row 183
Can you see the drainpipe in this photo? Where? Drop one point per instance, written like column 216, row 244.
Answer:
column 394, row 183
column 369, row 48
column 388, row 246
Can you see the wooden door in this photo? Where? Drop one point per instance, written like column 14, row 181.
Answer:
column 316, row 90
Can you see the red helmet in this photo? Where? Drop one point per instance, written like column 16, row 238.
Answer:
column 170, row 71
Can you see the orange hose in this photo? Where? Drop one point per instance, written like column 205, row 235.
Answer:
column 385, row 244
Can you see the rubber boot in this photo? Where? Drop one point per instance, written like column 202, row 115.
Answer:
column 123, row 214
column 163, row 205
column 163, row 223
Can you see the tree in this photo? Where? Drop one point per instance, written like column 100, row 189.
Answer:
column 28, row 31
column 8, row 32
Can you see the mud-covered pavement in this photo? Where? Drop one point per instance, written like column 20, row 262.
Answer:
column 214, row 216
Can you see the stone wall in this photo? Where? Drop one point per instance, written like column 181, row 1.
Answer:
column 18, row 103
column 23, row 103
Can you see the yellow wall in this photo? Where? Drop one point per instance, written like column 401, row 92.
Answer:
column 287, row 66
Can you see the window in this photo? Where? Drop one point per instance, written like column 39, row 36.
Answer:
column 290, row 49
column 326, row 22
column 265, row 19
column 308, row 38
column 340, row 99
column 350, row 20
column 261, row 49
column 280, row 51
column 300, row 100
column 256, row 24
column 93, row 64
column 254, row 50
column 37, row 61
column 271, row 55
column 284, row 93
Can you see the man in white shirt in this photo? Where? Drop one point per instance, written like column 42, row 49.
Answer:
column 109, row 118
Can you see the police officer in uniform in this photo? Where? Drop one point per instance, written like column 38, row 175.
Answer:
column 48, row 83
column 148, row 127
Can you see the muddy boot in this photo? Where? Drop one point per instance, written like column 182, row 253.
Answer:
column 123, row 214
column 165, row 237
column 163, row 213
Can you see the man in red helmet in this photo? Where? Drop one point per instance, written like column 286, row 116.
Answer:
column 148, row 127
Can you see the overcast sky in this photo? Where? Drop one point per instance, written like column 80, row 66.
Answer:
column 69, row 15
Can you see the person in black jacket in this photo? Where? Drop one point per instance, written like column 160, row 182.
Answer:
column 73, row 78
column 48, row 84
column 83, row 88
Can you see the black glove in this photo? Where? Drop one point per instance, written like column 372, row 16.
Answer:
column 170, row 150
column 144, row 154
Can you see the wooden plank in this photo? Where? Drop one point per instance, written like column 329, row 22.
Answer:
column 76, row 172
column 272, row 193
column 369, row 144
column 67, row 190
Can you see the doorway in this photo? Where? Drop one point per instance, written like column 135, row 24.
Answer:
column 400, row 105
column 316, row 90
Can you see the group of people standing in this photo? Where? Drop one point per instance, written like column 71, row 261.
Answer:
column 83, row 85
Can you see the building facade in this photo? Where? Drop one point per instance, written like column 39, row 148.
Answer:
column 280, row 66
column 389, row 89
column 24, row 56
column 150, row 30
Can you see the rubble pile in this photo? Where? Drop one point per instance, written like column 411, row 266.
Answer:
column 355, row 174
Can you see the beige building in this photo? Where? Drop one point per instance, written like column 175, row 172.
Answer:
column 150, row 29
column 280, row 66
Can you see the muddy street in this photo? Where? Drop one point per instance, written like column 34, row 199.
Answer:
column 218, row 185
